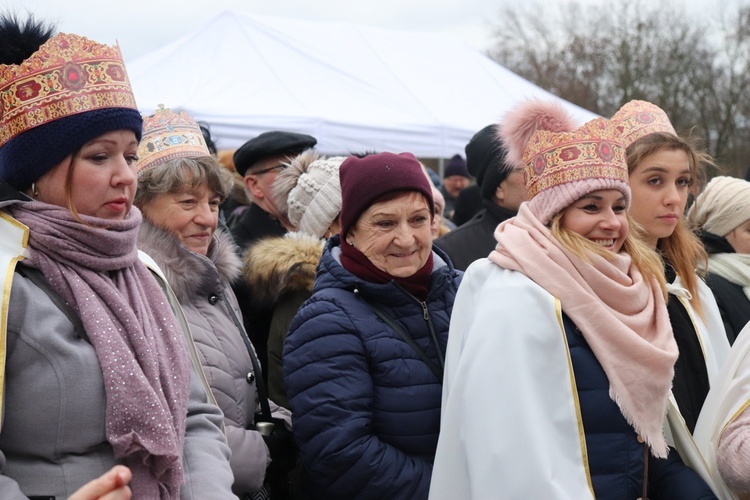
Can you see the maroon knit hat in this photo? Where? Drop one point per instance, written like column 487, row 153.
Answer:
column 364, row 180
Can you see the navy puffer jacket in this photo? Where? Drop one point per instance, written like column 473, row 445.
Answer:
column 366, row 408
column 615, row 453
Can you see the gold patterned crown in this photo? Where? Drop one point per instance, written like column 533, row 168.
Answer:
column 168, row 135
column 561, row 167
column 637, row 119
column 68, row 75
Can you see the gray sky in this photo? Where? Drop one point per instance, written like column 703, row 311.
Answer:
column 144, row 25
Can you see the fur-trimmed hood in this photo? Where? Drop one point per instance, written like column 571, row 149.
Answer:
column 274, row 267
column 187, row 272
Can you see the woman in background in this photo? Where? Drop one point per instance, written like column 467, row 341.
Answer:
column 180, row 189
column 721, row 214
column 663, row 171
column 282, row 269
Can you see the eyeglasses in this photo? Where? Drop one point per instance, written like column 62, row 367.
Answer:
column 276, row 168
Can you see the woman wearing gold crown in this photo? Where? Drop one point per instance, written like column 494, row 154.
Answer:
column 560, row 353
column 664, row 170
column 96, row 371
column 180, row 188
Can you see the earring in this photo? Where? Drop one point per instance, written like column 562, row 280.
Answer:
column 34, row 192
column 351, row 243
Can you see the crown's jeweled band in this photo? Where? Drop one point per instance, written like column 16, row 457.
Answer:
column 69, row 74
column 637, row 119
column 167, row 136
column 592, row 151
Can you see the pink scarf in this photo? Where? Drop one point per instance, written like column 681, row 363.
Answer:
column 622, row 317
column 95, row 269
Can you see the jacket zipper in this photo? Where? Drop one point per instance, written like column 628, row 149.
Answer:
column 426, row 316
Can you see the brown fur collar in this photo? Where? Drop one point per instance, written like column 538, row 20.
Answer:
column 186, row 271
column 276, row 266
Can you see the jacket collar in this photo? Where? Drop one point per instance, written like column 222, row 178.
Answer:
column 187, row 272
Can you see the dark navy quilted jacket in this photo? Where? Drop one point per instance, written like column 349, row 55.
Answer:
column 366, row 408
column 614, row 453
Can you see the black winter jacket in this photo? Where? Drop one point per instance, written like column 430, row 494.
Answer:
column 475, row 239
column 615, row 455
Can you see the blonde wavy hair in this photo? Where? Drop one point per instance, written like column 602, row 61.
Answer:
column 644, row 258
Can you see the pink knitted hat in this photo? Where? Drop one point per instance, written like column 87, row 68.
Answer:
column 563, row 167
column 637, row 119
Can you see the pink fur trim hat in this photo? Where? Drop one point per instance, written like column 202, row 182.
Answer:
column 562, row 164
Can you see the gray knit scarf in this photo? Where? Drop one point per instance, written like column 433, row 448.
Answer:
column 94, row 267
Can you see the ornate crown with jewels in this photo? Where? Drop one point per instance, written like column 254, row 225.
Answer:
column 69, row 74
column 168, row 135
column 637, row 119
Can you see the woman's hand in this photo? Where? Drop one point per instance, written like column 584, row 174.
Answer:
column 110, row 486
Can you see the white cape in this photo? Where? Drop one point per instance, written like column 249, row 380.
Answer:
column 511, row 424
column 728, row 398
column 715, row 348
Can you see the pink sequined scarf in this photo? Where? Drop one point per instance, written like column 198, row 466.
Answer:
column 622, row 316
column 94, row 267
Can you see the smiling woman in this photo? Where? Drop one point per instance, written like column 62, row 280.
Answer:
column 600, row 216
column 363, row 360
column 180, row 188
column 394, row 234
column 562, row 336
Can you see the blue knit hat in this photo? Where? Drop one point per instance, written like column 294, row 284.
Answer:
column 456, row 166
column 30, row 155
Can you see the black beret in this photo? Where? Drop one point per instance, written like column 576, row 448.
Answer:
column 270, row 144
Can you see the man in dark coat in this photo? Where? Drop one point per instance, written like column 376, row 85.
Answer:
column 455, row 179
column 260, row 160
column 503, row 190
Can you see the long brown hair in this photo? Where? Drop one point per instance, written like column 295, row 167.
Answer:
column 682, row 249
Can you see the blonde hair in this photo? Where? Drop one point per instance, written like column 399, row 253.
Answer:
column 69, row 185
column 644, row 258
column 682, row 249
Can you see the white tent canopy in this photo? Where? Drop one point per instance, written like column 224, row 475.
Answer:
column 354, row 88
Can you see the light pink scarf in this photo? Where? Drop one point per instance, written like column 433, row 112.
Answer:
column 622, row 317
column 95, row 268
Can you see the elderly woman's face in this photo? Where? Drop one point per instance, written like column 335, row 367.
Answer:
column 739, row 238
column 192, row 215
column 395, row 235
column 103, row 180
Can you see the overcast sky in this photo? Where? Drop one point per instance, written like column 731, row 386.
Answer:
column 144, row 25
